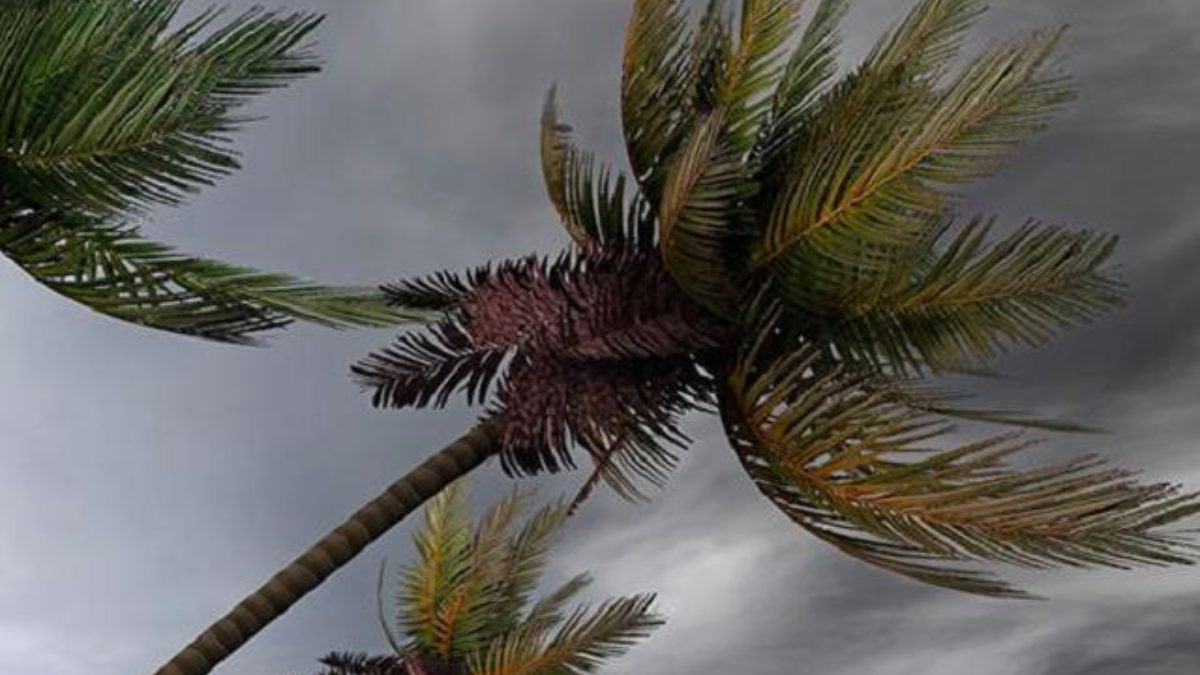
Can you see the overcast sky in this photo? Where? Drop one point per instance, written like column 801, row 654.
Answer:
column 147, row 481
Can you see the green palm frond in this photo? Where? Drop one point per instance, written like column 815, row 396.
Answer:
column 755, row 71
column 855, row 468
column 658, row 77
column 586, row 639
column 928, row 38
column 699, row 208
column 113, row 270
column 592, row 205
column 808, row 71
column 970, row 299
column 891, row 149
column 104, row 110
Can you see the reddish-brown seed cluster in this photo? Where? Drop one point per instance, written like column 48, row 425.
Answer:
column 600, row 348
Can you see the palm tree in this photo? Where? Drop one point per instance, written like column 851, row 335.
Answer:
column 105, row 111
column 786, row 253
column 466, row 603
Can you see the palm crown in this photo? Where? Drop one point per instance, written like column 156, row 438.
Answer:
column 784, row 253
column 106, row 111
column 466, row 603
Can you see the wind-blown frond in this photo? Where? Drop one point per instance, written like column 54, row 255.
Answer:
column 105, row 110
column 519, row 564
column 113, row 270
column 891, row 148
column 699, row 213
column 591, row 204
column 969, row 299
column 854, row 468
column 465, row 601
column 757, row 66
column 808, row 70
column 658, row 76
column 439, row 605
column 707, row 185
column 584, row 641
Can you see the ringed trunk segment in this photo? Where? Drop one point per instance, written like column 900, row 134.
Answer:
column 332, row 552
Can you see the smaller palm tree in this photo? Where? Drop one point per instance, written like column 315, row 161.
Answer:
column 466, row 605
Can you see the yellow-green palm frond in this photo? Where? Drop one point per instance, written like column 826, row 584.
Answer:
column 437, row 591
column 887, row 147
column 519, row 564
column 969, row 299
column 592, row 205
column 928, row 38
column 104, row 110
column 113, row 270
column 580, row 645
column 699, row 209
column 467, row 605
column 855, row 468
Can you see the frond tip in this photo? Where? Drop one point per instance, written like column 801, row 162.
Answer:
column 854, row 467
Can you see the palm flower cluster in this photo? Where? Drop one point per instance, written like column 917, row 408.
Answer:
column 111, row 107
column 466, row 604
column 786, row 251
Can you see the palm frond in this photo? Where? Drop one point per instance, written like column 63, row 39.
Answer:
column 699, row 213
column 928, row 38
column 591, row 204
column 707, row 184
column 757, row 66
column 105, row 110
column 969, row 299
column 580, row 645
column 892, row 148
column 519, row 564
column 549, row 610
column 113, row 270
column 853, row 467
column 658, row 76
column 357, row 663
column 809, row 69
column 436, row 587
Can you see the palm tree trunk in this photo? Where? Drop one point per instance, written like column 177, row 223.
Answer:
column 332, row 552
